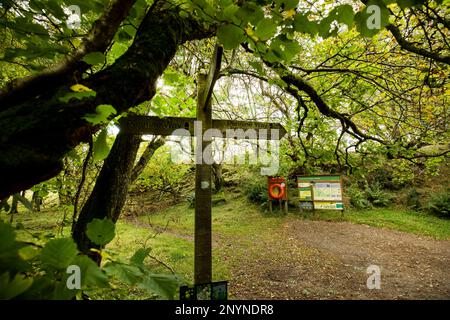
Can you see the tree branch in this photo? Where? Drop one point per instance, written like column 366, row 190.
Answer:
column 408, row 46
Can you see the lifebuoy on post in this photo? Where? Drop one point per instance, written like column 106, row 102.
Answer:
column 279, row 194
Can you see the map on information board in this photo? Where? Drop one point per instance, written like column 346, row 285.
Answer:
column 322, row 192
column 327, row 191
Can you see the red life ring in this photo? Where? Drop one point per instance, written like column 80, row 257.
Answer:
column 280, row 194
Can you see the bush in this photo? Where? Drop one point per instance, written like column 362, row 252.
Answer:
column 162, row 175
column 358, row 198
column 439, row 204
column 256, row 190
column 371, row 196
column 377, row 196
column 413, row 199
column 190, row 198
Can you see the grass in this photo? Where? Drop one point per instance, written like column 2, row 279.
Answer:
column 393, row 218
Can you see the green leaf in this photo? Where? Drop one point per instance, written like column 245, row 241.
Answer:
column 257, row 66
column 302, row 24
column 170, row 77
column 139, row 256
column 28, row 253
column 370, row 23
column 61, row 292
column 290, row 4
column 102, row 114
column 249, row 12
column 344, row 14
column 25, row 25
column 230, row 36
column 101, row 232
column 94, row 58
column 59, row 253
column 77, row 95
column 128, row 274
column 265, row 29
column 284, row 49
column 11, row 288
column 101, row 148
column 164, row 286
column 229, row 12
column 91, row 274
column 9, row 247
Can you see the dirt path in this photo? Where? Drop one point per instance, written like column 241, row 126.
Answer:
column 329, row 260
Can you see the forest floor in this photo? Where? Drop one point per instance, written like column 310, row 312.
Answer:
column 278, row 256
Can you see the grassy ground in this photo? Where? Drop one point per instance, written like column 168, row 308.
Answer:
column 170, row 233
column 393, row 218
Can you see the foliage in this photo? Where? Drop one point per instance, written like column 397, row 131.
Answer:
column 29, row 271
column 439, row 204
column 162, row 175
column 370, row 195
column 413, row 199
column 358, row 198
column 377, row 196
column 101, row 232
column 256, row 189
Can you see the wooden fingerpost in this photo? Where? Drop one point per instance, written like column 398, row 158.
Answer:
column 203, row 248
column 203, row 234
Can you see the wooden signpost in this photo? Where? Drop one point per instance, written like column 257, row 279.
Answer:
column 134, row 124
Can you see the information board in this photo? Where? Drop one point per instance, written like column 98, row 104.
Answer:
column 320, row 192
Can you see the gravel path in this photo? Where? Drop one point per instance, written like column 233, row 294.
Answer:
column 329, row 260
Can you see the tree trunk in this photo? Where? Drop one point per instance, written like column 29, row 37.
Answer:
column 218, row 179
column 110, row 190
column 4, row 204
column 37, row 201
column 14, row 205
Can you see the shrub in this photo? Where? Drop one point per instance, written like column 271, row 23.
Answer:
column 413, row 199
column 372, row 195
column 377, row 196
column 358, row 198
column 256, row 190
column 439, row 204
column 162, row 175
column 190, row 198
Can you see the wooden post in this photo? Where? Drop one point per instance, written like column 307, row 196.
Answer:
column 203, row 241
column 312, row 200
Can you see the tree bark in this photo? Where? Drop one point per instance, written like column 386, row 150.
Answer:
column 36, row 134
column 110, row 190
column 218, row 179
column 14, row 205
column 4, row 204
column 36, row 200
